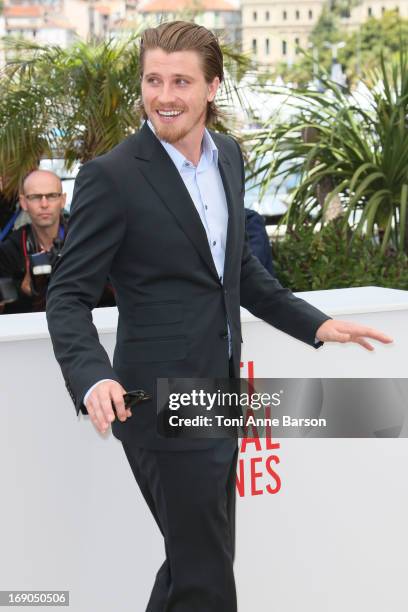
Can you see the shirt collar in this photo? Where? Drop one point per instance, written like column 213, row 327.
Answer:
column 209, row 149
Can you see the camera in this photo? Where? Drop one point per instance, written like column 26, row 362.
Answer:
column 40, row 263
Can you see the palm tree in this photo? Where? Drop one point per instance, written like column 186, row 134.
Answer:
column 354, row 153
column 75, row 103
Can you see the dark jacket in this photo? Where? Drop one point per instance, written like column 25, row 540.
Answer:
column 13, row 265
column 258, row 239
column 132, row 218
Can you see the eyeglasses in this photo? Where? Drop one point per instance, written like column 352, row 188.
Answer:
column 37, row 197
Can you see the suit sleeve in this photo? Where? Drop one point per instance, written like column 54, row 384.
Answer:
column 264, row 296
column 95, row 231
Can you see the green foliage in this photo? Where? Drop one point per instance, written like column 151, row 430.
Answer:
column 358, row 155
column 376, row 38
column 362, row 48
column 77, row 103
column 328, row 30
column 306, row 260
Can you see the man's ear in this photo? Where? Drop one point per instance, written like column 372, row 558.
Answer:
column 212, row 89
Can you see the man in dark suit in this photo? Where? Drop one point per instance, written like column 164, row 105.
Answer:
column 163, row 215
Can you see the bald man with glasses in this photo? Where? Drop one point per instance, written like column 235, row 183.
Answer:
column 42, row 197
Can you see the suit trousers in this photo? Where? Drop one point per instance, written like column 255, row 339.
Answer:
column 191, row 495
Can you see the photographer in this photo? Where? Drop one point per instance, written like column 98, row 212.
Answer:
column 29, row 253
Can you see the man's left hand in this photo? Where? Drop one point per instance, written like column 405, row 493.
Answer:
column 343, row 331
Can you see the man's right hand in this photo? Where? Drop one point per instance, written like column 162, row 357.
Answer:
column 99, row 404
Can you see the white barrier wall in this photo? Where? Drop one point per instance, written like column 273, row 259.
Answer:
column 321, row 523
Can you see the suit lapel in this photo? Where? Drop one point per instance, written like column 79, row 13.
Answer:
column 164, row 178
column 228, row 182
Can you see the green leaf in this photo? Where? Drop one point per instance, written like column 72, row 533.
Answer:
column 403, row 216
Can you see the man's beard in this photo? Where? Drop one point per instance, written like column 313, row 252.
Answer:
column 174, row 133
column 170, row 133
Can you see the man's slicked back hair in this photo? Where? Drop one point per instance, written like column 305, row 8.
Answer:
column 175, row 36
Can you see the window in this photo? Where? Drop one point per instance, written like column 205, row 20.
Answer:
column 310, row 14
column 285, row 15
column 254, row 46
column 297, row 44
column 284, row 47
column 383, row 10
column 267, row 49
column 297, row 14
column 254, row 15
column 370, row 11
column 267, row 16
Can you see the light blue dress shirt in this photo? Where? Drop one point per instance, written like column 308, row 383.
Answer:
column 206, row 189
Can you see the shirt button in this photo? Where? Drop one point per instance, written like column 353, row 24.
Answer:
column 206, row 207
column 214, row 243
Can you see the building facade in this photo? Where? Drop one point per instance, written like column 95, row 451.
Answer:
column 374, row 8
column 43, row 23
column 273, row 31
column 93, row 18
column 219, row 16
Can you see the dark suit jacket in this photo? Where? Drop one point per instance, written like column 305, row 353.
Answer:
column 12, row 265
column 258, row 239
column 132, row 218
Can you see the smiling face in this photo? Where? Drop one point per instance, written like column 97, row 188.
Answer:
column 175, row 93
